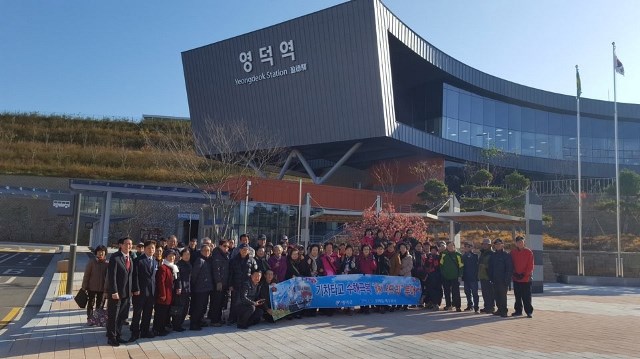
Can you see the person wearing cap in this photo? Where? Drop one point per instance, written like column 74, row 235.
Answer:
column 485, row 281
column 260, row 242
column 470, row 277
column 500, row 270
column 244, row 238
column 165, row 276
column 522, row 258
column 249, row 305
column 240, row 269
column 451, row 267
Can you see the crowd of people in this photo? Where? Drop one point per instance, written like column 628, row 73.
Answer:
column 224, row 283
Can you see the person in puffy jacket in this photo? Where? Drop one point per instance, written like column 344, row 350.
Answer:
column 166, row 274
column 470, row 277
column 201, row 286
column 183, row 283
column 406, row 263
column 241, row 268
column 500, row 272
column 451, row 268
column 522, row 259
column 221, row 272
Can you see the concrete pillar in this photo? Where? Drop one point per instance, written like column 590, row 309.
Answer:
column 533, row 217
column 105, row 218
column 454, row 207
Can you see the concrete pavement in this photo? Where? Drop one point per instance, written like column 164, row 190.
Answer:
column 569, row 322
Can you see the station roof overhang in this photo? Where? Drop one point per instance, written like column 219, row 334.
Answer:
column 140, row 191
column 481, row 217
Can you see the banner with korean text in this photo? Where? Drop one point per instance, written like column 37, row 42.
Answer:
column 338, row 291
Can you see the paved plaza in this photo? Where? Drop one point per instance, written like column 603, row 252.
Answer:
column 569, row 322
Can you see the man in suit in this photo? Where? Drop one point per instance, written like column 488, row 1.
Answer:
column 119, row 290
column 144, row 290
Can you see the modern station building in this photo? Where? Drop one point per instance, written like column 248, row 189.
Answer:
column 351, row 87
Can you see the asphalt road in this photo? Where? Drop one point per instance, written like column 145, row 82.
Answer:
column 20, row 274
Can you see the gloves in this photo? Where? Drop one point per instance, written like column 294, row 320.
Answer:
column 219, row 287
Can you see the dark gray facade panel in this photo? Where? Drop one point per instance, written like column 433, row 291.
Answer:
column 336, row 98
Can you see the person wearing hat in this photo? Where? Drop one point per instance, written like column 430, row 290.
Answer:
column 244, row 239
column 522, row 258
column 249, row 305
column 500, row 271
column 260, row 242
column 485, row 281
column 166, row 274
column 451, row 267
column 470, row 277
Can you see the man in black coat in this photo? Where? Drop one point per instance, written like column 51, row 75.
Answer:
column 240, row 268
column 144, row 291
column 249, row 303
column 201, row 286
column 500, row 271
column 119, row 290
column 220, row 264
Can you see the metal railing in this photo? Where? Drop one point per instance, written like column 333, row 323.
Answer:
column 569, row 186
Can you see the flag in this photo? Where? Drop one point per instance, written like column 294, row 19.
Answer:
column 578, row 84
column 617, row 65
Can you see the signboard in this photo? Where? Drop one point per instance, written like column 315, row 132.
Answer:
column 338, row 291
column 189, row 216
column 61, row 204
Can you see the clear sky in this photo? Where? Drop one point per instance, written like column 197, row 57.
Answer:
column 122, row 57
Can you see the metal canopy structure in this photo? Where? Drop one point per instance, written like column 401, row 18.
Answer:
column 340, row 216
column 482, row 217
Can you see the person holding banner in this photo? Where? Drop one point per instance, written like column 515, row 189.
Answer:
column 406, row 264
column 249, row 307
column 382, row 268
column 294, row 269
column 311, row 266
column 330, row 264
column 367, row 265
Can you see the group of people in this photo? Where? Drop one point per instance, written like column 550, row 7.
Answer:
column 168, row 283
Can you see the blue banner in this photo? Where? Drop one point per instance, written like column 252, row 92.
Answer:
column 338, row 291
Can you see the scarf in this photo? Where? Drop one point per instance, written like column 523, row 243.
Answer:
column 173, row 267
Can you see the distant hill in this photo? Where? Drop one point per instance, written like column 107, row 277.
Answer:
column 67, row 146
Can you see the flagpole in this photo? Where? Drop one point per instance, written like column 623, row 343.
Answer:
column 619, row 270
column 579, row 90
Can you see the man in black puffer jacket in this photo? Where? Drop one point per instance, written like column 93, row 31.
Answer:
column 240, row 269
column 500, row 271
column 220, row 264
column 201, row 286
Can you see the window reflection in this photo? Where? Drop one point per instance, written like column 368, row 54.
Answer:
column 476, row 120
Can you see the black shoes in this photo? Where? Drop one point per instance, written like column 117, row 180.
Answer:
column 529, row 316
column 458, row 309
column 179, row 329
column 113, row 342
column 516, row 314
column 447, row 308
column 195, row 328
column 133, row 338
column 468, row 308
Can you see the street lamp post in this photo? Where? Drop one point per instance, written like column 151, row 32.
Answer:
column 246, row 206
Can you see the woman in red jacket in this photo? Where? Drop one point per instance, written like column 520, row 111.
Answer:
column 367, row 265
column 165, row 275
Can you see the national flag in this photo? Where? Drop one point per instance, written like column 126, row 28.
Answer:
column 617, row 65
column 578, row 84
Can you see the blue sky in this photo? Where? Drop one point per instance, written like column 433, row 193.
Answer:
column 122, row 58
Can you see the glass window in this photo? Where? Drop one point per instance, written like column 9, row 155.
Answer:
column 542, row 122
column 542, row 145
column 502, row 139
column 528, row 144
column 489, row 133
column 451, row 98
column 477, row 112
column 515, row 141
column 586, row 123
column 452, row 129
column 555, row 123
column 489, row 110
column 464, row 134
column 555, row 146
column 464, row 107
column 528, row 119
column 514, row 115
column 628, row 129
column 569, row 125
column 602, row 128
column 476, row 136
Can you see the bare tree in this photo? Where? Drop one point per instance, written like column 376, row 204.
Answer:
column 216, row 159
column 386, row 175
column 426, row 170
